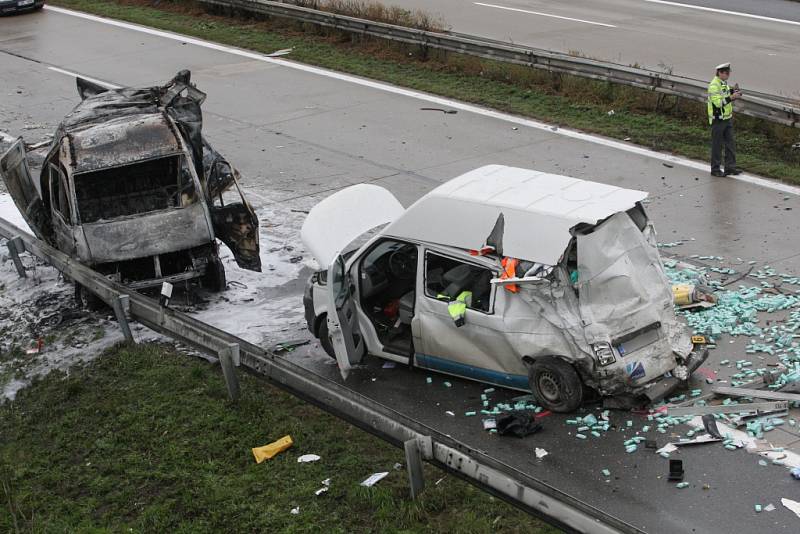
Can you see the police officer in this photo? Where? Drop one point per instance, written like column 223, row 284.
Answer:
column 720, row 117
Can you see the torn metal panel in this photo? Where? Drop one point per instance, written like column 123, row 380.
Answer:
column 755, row 393
column 729, row 408
column 17, row 177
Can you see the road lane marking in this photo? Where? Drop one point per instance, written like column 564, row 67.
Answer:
column 441, row 101
column 87, row 78
column 724, row 11
column 544, row 14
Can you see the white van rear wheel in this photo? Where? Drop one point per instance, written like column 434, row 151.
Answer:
column 555, row 384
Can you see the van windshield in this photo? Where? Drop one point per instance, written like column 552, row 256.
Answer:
column 139, row 188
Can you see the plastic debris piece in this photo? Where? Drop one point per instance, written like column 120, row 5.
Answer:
column 580, row 436
column 794, row 506
column 469, row 414
column 451, row 414
column 374, row 478
column 681, row 485
column 271, row 449
column 606, row 473
column 307, row 458
column 429, row 380
column 540, row 453
column 388, row 365
column 321, row 490
column 758, row 508
column 769, row 508
column 489, row 423
column 795, row 472
column 762, row 463
column 448, row 385
column 295, row 511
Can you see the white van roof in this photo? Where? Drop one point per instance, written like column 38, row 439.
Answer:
column 539, row 210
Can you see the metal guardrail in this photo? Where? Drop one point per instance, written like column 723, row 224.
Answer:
column 534, row 496
column 772, row 108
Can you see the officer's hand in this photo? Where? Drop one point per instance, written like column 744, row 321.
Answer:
column 736, row 95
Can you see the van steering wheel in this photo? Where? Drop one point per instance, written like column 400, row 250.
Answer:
column 402, row 264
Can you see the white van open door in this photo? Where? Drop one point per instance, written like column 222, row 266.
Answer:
column 348, row 344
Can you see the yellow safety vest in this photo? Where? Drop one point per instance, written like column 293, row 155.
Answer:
column 720, row 105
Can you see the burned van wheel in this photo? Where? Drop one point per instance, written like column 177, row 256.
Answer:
column 214, row 279
column 324, row 338
column 555, row 384
column 86, row 299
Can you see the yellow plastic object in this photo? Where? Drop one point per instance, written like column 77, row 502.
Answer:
column 268, row 451
column 683, row 294
column 699, row 340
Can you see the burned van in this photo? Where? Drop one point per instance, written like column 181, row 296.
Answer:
column 130, row 187
column 509, row 276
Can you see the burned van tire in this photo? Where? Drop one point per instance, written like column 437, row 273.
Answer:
column 86, row 299
column 325, row 339
column 555, row 384
column 214, row 278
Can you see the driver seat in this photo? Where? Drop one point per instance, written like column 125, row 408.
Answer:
column 406, row 308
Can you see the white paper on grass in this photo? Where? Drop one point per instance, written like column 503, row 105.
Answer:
column 374, row 478
column 308, row 458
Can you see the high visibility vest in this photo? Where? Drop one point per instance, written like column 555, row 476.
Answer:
column 720, row 105
column 509, row 271
column 458, row 308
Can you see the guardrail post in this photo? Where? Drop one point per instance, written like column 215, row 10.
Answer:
column 122, row 306
column 228, row 360
column 416, row 480
column 15, row 247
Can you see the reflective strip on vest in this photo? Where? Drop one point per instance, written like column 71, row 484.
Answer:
column 509, row 271
column 718, row 91
column 458, row 308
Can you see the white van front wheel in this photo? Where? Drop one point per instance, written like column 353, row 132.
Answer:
column 555, row 384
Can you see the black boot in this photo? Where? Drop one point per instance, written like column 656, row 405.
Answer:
column 717, row 173
column 732, row 172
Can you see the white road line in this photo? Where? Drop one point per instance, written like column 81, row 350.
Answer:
column 724, row 11
column 544, row 14
column 87, row 78
column 528, row 123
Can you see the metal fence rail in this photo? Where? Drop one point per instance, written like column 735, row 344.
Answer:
column 477, row 467
column 772, row 108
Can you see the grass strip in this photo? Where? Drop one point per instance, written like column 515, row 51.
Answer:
column 144, row 438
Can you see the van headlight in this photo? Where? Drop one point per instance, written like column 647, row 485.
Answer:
column 604, row 353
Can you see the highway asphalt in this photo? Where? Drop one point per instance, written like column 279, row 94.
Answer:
column 761, row 38
column 297, row 134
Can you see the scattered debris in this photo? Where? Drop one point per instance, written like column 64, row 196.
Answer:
column 374, row 478
column 388, row 365
column 308, row 458
column 289, row 346
column 676, row 470
column 540, row 453
column 271, row 449
column 445, row 111
column 281, row 52
column 517, row 424
column 794, row 506
column 667, row 165
column 295, row 511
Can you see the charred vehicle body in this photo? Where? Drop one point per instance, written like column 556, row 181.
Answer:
column 130, row 187
column 509, row 276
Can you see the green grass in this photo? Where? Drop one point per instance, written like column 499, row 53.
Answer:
column 678, row 127
column 145, row 439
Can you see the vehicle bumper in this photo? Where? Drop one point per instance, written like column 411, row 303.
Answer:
column 15, row 7
column 666, row 385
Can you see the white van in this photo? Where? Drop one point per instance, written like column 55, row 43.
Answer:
column 509, row 276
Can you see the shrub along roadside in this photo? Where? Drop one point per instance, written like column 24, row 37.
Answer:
column 656, row 121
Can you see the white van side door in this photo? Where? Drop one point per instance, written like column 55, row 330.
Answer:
column 347, row 341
